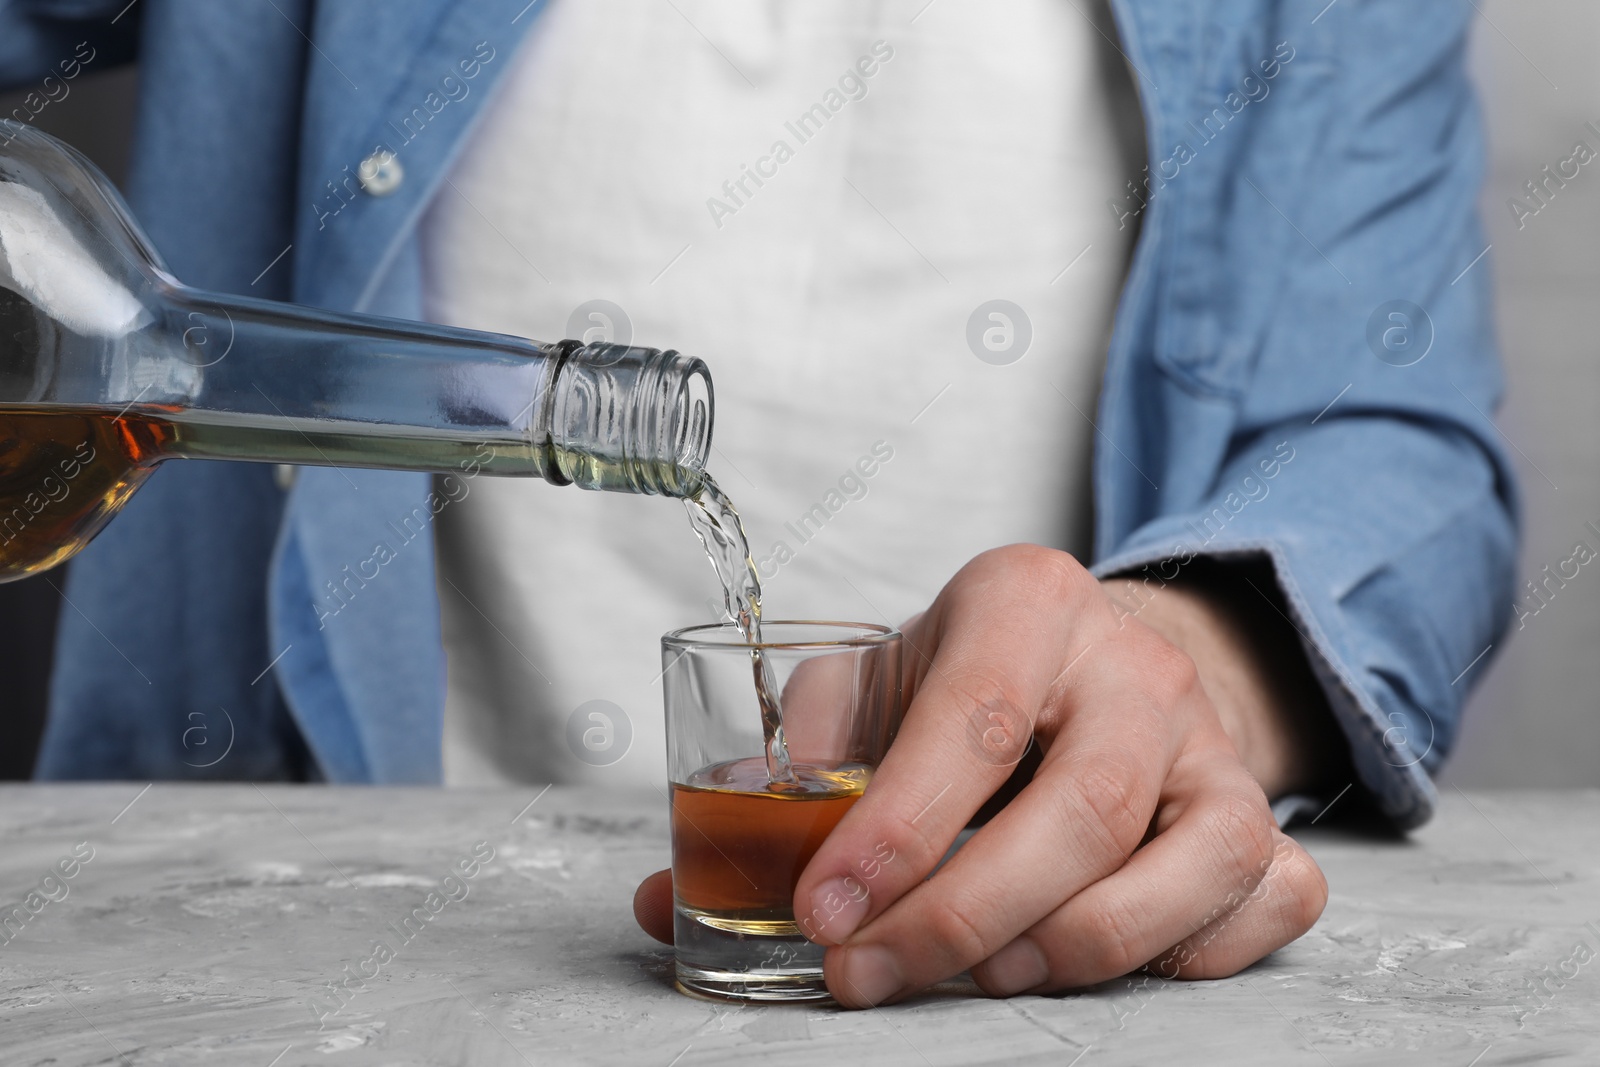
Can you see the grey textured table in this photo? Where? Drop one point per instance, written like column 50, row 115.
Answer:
column 212, row 920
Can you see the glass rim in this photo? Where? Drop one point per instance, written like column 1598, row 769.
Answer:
column 700, row 636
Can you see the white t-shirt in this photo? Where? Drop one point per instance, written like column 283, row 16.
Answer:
column 911, row 162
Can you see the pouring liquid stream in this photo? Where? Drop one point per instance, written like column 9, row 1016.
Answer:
column 719, row 528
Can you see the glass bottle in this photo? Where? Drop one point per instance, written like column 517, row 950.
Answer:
column 108, row 366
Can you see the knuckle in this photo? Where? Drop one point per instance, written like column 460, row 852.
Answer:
column 1306, row 886
column 1114, row 948
column 996, row 724
column 902, row 852
column 1044, row 572
column 1243, row 830
column 1169, row 673
column 1103, row 791
column 974, row 681
column 960, row 935
column 998, row 731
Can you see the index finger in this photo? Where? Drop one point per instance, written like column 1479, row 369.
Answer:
column 968, row 725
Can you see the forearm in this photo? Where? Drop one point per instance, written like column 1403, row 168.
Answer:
column 1252, row 667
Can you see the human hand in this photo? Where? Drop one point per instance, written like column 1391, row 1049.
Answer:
column 1141, row 837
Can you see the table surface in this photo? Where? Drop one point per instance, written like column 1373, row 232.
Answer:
column 211, row 921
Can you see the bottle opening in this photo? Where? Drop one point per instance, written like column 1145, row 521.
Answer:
column 632, row 419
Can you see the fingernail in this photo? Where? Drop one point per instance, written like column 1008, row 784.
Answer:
column 836, row 910
column 870, row 974
column 1018, row 966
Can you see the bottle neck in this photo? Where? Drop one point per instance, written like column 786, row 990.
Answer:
column 257, row 380
column 246, row 379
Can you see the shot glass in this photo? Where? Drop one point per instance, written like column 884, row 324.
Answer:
column 740, row 838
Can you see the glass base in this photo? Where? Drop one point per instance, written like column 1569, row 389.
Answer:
column 728, row 958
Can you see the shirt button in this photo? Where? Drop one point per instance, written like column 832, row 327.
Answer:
column 380, row 173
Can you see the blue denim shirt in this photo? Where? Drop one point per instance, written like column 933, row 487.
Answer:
column 1308, row 231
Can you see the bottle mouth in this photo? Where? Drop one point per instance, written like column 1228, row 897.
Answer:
column 690, row 422
column 632, row 419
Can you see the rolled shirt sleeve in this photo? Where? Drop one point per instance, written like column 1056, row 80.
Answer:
column 1349, row 361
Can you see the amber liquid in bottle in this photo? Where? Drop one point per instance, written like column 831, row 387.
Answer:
column 63, row 475
column 739, row 846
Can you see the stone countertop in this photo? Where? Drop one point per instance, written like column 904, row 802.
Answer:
column 210, row 921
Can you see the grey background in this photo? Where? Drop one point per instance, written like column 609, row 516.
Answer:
column 1535, row 719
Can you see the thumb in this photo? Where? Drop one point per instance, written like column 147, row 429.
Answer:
column 652, row 906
